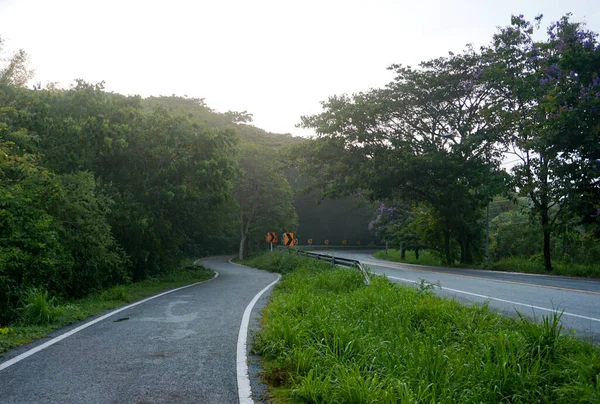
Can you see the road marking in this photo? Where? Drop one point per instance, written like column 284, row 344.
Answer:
column 53, row 341
column 399, row 266
column 243, row 380
column 501, row 300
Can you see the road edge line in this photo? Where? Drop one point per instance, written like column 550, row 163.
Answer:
column 533, row 307
column 243, row 380
column 54, row 340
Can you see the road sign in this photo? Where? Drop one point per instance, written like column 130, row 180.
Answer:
column 271, row 237
column 288, row 239
column 296, row 242
column 358, row 243
column 310, row 241
column 344, row 242
column 326, row 242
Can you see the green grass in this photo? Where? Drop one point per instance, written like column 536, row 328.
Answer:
column 42, row 314
column 425, row 257
column 513, row 264
column 328, row 338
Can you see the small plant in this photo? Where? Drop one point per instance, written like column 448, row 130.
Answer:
column 425, row 287
column 39, row 308
column 6, row 330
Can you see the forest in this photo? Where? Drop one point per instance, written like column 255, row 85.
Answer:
column 99, row 189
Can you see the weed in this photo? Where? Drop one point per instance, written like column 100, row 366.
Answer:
column 39, row 308
column 426, row 288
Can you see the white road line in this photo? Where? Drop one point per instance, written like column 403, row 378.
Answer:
column 244, row 390
column 564, row 313
column 53, row 341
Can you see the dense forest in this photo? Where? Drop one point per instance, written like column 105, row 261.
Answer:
column 503, row 140
column 99, row 189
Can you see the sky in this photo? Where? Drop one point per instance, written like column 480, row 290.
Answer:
column 274, row 59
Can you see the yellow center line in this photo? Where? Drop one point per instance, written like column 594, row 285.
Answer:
column 389, row 265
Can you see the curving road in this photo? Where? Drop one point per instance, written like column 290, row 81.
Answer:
column 179, row 347
column 532, row 295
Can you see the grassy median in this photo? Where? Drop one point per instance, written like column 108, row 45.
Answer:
column 328, row 338
column 514, row 264
column 42, row 313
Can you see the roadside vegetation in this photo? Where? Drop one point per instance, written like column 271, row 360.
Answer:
column 40, row 312
column 532, row 265
column 328, row 338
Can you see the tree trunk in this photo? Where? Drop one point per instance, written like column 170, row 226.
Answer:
column 417, row 253
column 402, row 253
column 546, row 230
column 466, row 255
column 242, row 253
column 447, row 247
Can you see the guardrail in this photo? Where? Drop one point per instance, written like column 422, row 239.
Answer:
column 345, row 262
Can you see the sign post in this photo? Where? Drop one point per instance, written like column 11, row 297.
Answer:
column 271, row 238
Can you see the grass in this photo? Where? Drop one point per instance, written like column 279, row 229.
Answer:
column 328, row 338
column 513, row 264
column 42, row 314
column 425, row 257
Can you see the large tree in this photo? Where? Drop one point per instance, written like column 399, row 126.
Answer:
column 425, row 137
column 264, row 197
column 549, row 91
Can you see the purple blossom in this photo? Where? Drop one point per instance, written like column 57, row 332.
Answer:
column 539, row 17
column 543, row 80
column 588, row 43
column 572, row 74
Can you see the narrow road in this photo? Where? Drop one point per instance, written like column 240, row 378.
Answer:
column 180, row 347
column 532, row 295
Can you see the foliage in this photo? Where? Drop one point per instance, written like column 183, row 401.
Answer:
column 329, row 338
column 550, row 96
column 424, row 138
column 264, row 197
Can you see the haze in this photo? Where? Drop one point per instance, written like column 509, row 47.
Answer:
column 275, row 59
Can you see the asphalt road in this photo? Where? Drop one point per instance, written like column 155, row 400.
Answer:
column 180, row 347
column 531, row 295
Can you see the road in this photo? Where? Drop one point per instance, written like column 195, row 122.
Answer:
column 532, row 295
column 180, row 347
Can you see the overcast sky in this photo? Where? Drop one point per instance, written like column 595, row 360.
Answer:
column 275, row 59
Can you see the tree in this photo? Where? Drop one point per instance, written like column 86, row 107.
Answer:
column 424, row 138
column 14, row 70
column 264, row 197
column 550, row 97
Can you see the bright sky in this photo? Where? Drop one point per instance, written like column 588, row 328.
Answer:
column 274, row 58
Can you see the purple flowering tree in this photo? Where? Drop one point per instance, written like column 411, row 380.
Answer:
column 550, row 96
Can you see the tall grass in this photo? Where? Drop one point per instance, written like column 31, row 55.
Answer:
column 328, row 338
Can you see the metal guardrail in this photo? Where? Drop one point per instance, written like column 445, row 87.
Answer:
column 332, row 259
